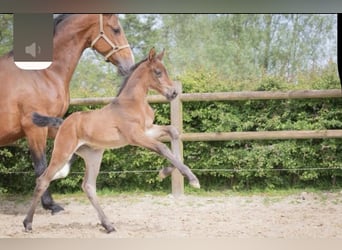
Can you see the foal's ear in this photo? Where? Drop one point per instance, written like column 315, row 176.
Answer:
column 161, row 55
column 152, row 55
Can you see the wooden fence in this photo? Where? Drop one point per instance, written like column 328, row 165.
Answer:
column 177, row 120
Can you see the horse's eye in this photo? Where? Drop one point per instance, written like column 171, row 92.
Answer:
column 116, row 30
column 158, row 73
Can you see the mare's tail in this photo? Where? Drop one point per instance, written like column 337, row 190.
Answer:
column 46, row 121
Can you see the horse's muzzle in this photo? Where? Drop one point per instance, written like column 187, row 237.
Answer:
column 125, row 68
column 172, row 94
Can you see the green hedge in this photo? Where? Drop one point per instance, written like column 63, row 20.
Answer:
column 237, row 165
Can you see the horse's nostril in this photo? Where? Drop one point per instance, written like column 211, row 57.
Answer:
column 174, row 94
column 171, row 95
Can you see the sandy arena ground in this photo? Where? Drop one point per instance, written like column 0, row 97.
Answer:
column 303, row 215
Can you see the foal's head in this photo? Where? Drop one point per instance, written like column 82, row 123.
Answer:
column 159, row 78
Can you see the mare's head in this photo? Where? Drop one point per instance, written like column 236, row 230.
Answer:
column 159, row 78
column 108, row 38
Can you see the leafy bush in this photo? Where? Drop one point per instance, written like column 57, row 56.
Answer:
column 231, row 164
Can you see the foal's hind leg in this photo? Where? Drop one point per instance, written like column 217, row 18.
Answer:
column 42, row 184
column 61, row 155
column 41, row 187
column 37, row 143
column 92, row 158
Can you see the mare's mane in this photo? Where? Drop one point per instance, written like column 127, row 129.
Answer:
column 58, row 19
column 131, row 70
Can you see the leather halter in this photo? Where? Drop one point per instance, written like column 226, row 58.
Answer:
column 102, row 34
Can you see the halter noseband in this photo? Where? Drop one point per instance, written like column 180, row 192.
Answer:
column 102, row 34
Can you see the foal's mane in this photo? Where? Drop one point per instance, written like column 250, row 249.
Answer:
column 131, row 70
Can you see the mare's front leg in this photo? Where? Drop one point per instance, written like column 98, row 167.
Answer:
column 92, row 158
column 147, row 140
column 37, row 137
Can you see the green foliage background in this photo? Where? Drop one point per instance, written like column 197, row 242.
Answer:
column 211, row 53
column 238, row 165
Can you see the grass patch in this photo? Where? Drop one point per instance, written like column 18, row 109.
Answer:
column 258, row 192
column 270, row 196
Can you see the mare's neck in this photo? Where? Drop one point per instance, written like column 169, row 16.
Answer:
column 69, row 42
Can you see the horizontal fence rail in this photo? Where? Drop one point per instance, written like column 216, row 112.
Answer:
column 263, row 135
column 177, row 121
column 225, row 96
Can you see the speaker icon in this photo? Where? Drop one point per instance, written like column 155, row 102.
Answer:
column 32, row 49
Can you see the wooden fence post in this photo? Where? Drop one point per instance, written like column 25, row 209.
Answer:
column 177, row 179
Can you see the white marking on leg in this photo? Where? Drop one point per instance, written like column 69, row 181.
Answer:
column 155, row 131
column 151, row 133
column 63, row 172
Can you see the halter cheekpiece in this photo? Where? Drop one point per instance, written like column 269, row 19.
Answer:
column 102, row 34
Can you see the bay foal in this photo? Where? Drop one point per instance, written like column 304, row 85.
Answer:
column 127, row 120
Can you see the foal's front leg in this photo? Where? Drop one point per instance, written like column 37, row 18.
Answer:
column 146, row 140
column 157, row 132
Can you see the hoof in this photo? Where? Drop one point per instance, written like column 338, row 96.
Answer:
column 109, row 228
column 195, row 184
column 165, row 172
column 55, row 208
column 161, row 175
column 27, row 226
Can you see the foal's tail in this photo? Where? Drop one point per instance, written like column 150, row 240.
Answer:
column 46, row 121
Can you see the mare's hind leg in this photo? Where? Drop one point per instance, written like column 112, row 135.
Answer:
column 92, row 158
column 37, row 143
column 46, row 199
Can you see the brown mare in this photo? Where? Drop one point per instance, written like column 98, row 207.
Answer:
column 47, row 91
column 126, row 120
